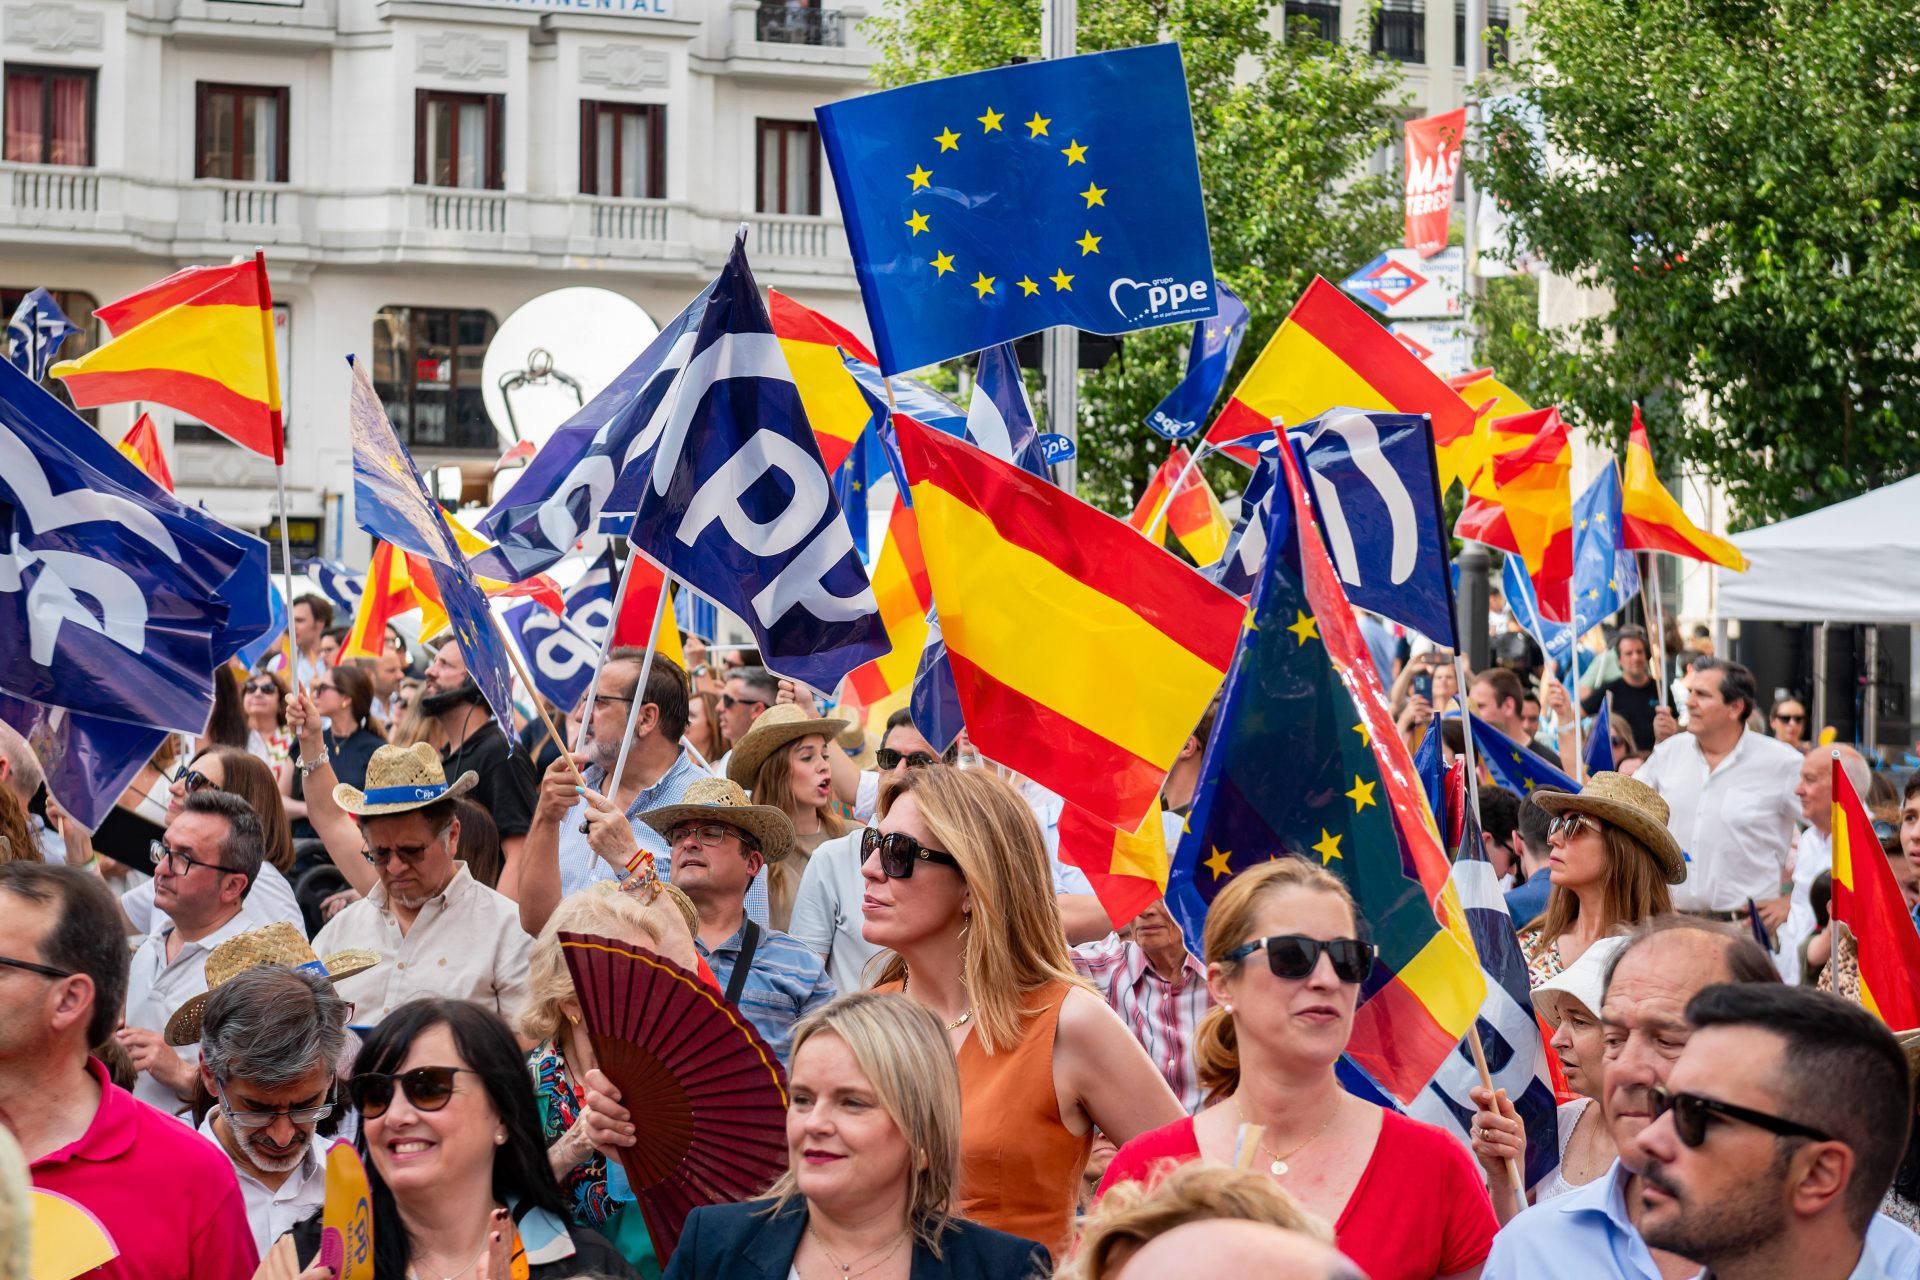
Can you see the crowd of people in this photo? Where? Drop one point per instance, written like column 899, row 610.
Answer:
column 338, row 916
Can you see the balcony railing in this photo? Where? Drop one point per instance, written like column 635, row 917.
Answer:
column 1400, row 31
column 798, row 24
column 776, row 235
column 56, row 189
column 1326, row 17
column 483, row 212
column 628, row 220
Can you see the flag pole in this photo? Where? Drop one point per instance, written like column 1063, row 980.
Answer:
column 1466, row 734
column 646, row 669
column 600, row 650
column 1166, row 504
column 1517, row 1179
column 533, row 690
column 1573, row 695
column 264, row 293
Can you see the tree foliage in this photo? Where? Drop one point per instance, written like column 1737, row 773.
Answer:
column 1743, row 181
column 1283, row 127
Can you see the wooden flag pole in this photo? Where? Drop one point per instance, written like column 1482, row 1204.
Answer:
column 1514, row 1176
column 533, row 691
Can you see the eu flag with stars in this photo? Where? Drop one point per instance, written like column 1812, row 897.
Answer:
column 984, row 207
column 1510, row 764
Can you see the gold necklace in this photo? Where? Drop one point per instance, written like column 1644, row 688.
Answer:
column 847, row 1268
column 955, row 1025
column 1279, row 1166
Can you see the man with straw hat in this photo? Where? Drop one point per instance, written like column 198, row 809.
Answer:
column 439, row 931
column 720, row 845
column 272, row 1034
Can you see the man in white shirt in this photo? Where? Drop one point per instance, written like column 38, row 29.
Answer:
column 203, row 867
column 1729, row 793
column 1813, row 852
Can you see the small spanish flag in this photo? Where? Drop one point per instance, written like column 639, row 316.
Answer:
column 1651, row 520
column 1867, row 899
column 1193, row 515
column 142, row 444
column 836, row 410
column 1524, row 494
column 1128, row 869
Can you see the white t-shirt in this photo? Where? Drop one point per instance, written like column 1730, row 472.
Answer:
column 827, row 917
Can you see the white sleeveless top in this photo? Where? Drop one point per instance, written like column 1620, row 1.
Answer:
column 1566, row 1116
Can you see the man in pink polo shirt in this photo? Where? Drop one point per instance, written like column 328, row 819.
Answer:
column 167, row 1196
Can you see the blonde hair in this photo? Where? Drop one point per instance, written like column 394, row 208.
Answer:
column 989, row 829
column 773, row 785
column 20, row 845
column 1132, row 1213
column 1230, row 922
column 905, row 1055
column 549, row 984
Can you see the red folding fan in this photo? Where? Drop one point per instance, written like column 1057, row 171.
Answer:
column 708, row 1096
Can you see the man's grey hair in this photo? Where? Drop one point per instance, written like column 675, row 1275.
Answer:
column 22, row 763
column 272, row 1025
column 765, row 684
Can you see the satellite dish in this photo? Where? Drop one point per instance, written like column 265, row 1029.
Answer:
column 554, row 354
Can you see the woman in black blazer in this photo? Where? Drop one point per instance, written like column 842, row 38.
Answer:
column 873, row 1145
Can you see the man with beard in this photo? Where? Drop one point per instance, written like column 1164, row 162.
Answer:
column 475, row 743
column 1779, row 1131
column 572, row 843
column 437, row 930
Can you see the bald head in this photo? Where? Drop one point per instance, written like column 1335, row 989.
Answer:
column 1815, row 788
column 19, row 768
column 1245, row 1250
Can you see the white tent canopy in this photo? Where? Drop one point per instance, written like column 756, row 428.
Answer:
column 1856, row 561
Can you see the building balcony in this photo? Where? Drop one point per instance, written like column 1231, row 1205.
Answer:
column 1400, row 31
column 1325, row 17
column 797, row 24
column 796, row 43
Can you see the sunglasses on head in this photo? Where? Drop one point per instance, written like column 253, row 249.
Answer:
column 899, row 852
column 1692, row 1113
column 1291, row 955
column 888, row 759
column 427, row 1089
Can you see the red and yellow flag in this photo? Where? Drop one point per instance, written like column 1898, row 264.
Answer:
column 1491, row 400
column 1651, row 520
column 1327, row 353
column 1127, row 869
column 200, row 341
column 389, row 593
column 1867, row 899
column 836, row 410
column 142, row 444
column 1083, row 654
column 1522, row 502
column 1193, row 516
column 900, row 587
column 634, row 623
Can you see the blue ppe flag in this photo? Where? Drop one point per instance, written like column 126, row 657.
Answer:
column 999, row 417
column 1189, row 406
column 35, row 332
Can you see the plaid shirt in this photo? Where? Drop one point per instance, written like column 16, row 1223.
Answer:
column 1162, row 1015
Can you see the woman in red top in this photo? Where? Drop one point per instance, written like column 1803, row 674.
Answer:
column 1285, row 965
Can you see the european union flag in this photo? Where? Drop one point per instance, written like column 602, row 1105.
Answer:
column 1513, row 766
column 984, row 207
column 1605, row 573
column 1189, row 406
column 1599, row 756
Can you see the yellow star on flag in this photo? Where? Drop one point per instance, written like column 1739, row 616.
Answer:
column 1251, row 624
column 1221, row 863
column 1366, row 734
column 942, row 263
column 1304, row 627
column 1528, row 785
column 918, row 222
column 920, row 175
column 1329, row 847
column 948, row 140
column 983, row 284
column 1089, row 243
column 1027, row 287
column 1074, row 152
column 1037, row 127
column 1061, row 280
column 990, row 122
column 1362, row 794
column 1098, row 196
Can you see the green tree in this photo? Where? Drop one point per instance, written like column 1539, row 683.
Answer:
column 1282, row 126
column 1743, row 181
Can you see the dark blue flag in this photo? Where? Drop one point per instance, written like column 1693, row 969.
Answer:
column 1189, row 406
column 1238, row 570
column 984, row 207
column 934, row 705
column 1430, row 762
column 910, row 396
column 250, row 654
column 736, row 502
column 559, row 658
column 999, row 418
column 338, row 583
column 1513, row 766
column 865, row 465
column 589, row 604
column 88, row 760
column 36, row 332
column 695, row 614
column 1600, row 741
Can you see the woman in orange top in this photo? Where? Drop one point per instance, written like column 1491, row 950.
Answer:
column 1043, row 1060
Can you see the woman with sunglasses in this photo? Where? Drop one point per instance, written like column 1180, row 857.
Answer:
column 343, row 696
column 264, row 699
column 1612, row 861
column 1788, row 722
column 1043, row 1060
column 785, row 760
column 1286, row 954
column 459, row 1176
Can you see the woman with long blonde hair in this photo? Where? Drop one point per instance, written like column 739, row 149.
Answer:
column 786, row 761
column 959, row 887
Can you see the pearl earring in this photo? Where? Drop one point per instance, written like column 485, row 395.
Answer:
column 1228, row 1008
column 500, row 1139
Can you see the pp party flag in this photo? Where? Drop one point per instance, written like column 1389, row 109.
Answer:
column 1192, row 514
column 391, row 502
column 559, row 658
column 1512, row 765
column 1127, row 869
column 338, row 583
column 1215, row 344
column 735, row 501
column 142, row 444
column 1304, row 761
column 1238, row 571
column 812, row 344
column 1599, row 755
column 933, row 704
column 984, row 207
column 999, row 416
column 1522, row 502
column 1655, row 521
column 200, row 341
column 1435, row 145
column 35, row 333
column 1328, row 352
column 1083, row 654
column 1867, row 899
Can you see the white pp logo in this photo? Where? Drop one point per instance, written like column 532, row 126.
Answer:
column 1156, row 297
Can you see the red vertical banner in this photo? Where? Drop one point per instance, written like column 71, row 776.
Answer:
column 1433, row 162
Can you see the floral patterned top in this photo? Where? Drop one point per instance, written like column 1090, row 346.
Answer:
column 1543, row 958
column 589, row 1202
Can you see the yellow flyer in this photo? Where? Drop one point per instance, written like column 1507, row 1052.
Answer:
column 346, row 1220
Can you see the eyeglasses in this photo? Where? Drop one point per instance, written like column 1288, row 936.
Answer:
column 728, row 701
column 888, row 759
column 34, row 966
column 1290, row 955
column 180, row 863
column 192, row 780
column 262, row 1119
column 1572, row 824
column 262, row 686
column 708, row 834
column 427, row 1088
column 899, row 852
column 1691, row 1112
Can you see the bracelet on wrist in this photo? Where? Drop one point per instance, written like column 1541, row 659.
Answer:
column 308, row 766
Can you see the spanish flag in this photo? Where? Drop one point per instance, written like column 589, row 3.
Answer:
column 1193, row 515
column 142, row 444
column 1651, row 520
column 836, row 410
column 634, row 623
column 200, row 341
column 1328, row 352
column 1867, row 899
column 398, row 581
column 900, row 587
column 1491, row 400
column 1128, row 869
column 1083, row 654
column 1530, row 511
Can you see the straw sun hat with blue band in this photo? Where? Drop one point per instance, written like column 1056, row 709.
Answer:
column 400, row 780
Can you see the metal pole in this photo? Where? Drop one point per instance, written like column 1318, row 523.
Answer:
column 1060, row 346
column 600, row 657
column 1470, row 606
column 1577, row 765
column 1160, row 513
column 640, row 685
column 1869, row 689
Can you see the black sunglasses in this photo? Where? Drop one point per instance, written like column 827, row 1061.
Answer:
column 427, row 1088
column 1291, row 955
column 31, row 966
column 1691, row 1112
column 888, row 759
column 728, row 701
column 898, row 853
column 193, row 780
column 262, row 686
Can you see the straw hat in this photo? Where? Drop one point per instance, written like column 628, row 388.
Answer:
column 1584, row 980
column 776, row 727
column 277, row 943
column 400, row 780
column 1629, row 804
column 720, row 800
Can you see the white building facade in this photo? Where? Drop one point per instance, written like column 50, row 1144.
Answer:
column 414, row 172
